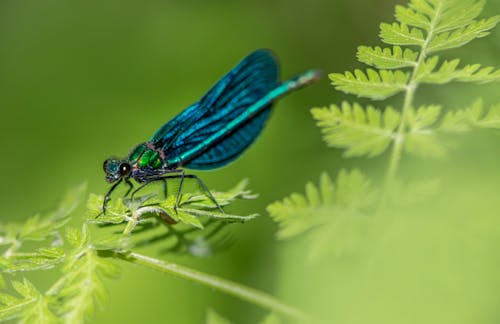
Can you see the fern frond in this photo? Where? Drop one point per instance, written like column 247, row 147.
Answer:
column 462, row 36
column 470, row 73
column 373, row 84
column 194, row 227
column 334, row 212
column 490, row 119
column 32, row 307
column 446, row 14
column 421, row 139
column 40, row 312
column 423, row 117
column 473, row 116
column 191, row 207
column 360, row 131
column 457, row 14
column 401, row 34
column 412, row 17
column 81, row 287
column 385, row 58
column 42, row 259
column 39, row 228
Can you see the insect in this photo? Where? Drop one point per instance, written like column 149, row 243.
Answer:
column 211, row 132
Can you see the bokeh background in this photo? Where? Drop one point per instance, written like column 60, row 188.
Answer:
column 83, row 80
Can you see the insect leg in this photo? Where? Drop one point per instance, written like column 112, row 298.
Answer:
column 149, row 181
column 107, row 197
column 181, row 175
column 130, row 186
column 165, row 189
column 204, row 187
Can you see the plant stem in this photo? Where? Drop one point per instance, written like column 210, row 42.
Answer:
column 408, row 103
column 248, row 294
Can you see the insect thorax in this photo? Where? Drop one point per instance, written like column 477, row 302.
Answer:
column 144, row 156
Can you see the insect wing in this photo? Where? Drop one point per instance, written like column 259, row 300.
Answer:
column 248, row 82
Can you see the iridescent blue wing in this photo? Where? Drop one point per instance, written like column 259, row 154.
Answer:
column 250, row 81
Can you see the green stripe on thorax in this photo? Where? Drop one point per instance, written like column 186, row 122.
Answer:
column 145, row 157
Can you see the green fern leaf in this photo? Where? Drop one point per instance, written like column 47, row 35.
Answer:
column 470, row 73
column 439, row 15
column 426, row 67
column 473, row 116
column 491, row 119
column 401, row 34
column 455, row 122
column 32, row 307
column 421, row 139
column 457, row 14
column 412, row 17
column 38, row 228
column 462, row 36
column 42, row 259
column 360, row 131
column 39, row 311
column 81, row 287
column 386, row 58
column 376, row 85
column 423, row 117
column 423, row 7
column 14, row 307
column 329, row 210
column 191, row 207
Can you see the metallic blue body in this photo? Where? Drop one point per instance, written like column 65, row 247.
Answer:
column 218, row 128
column 210, row 133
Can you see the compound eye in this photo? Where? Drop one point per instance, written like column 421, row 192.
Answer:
column 105, row 165
column 124, row 169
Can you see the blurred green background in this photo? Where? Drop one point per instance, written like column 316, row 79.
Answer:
column 83, row 80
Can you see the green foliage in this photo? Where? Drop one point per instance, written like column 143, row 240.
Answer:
column 335, row 217
column 373, row 84
column 428, row 125
column 360, row 131
column 194, row 227
column 385, row 58
column 32, row 307
column 337, row 212
column 473, row 116
column 81, row 287
column 41, row 259
column 431, row 25
column 191, row 207
column 448, row 72
column 83, row 258
column 38, row 227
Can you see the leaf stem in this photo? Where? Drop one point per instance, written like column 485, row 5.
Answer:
column 408, row 103
column 248, row 294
